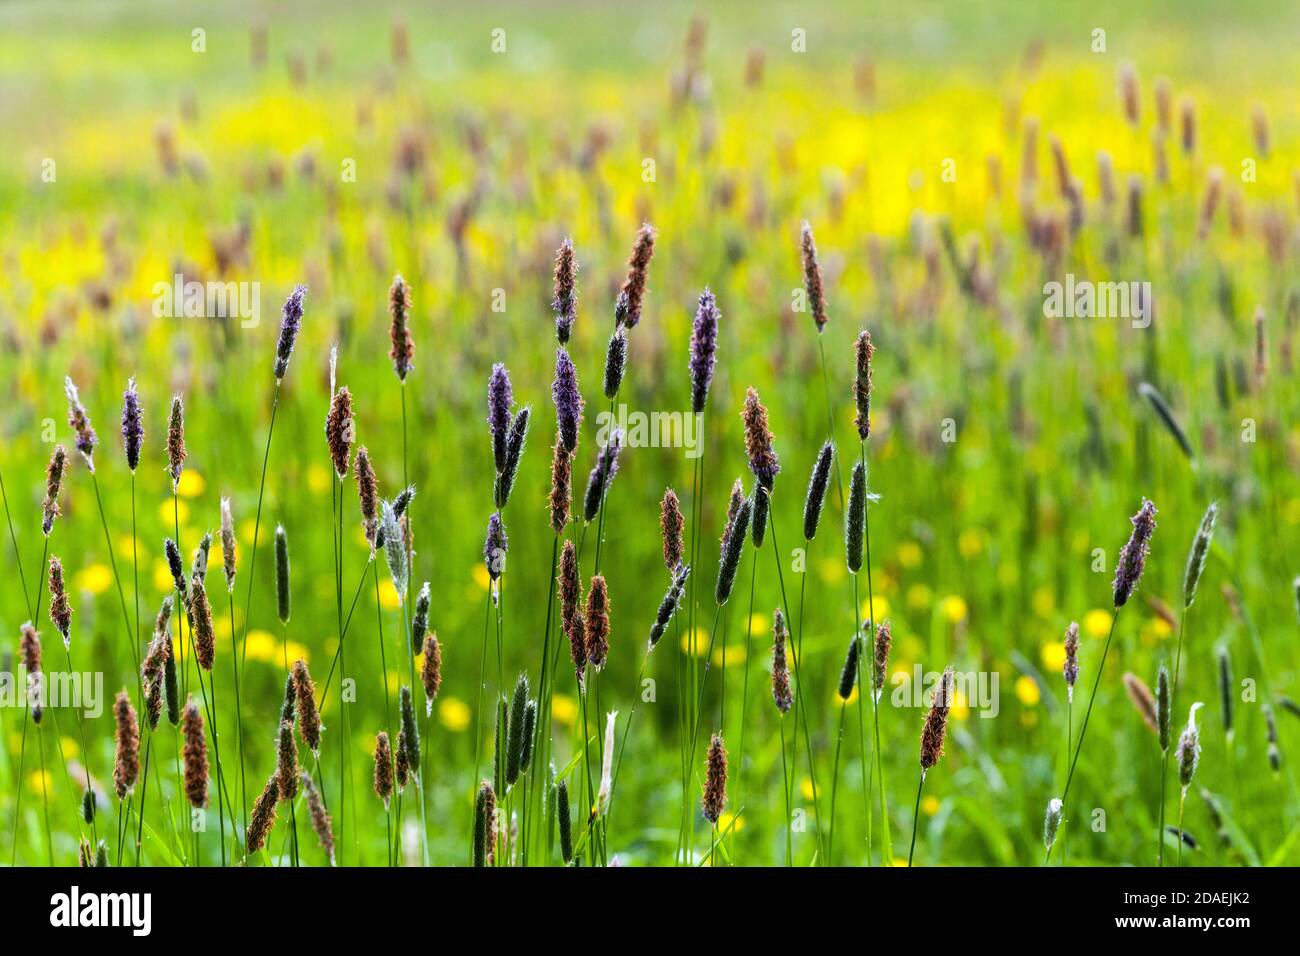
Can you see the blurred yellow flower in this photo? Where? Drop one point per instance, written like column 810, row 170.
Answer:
column 93, row 579
column 1157, row 627
column 319, row 478
column 1029, row 718
column 41, row 781
column 481, row 576
column 389, row 599
column 162, row 576
column 191, row 485
column 125, row 543
column 1096, row 623
column 696, row 642
column 831, row 570
column 971, row 542
column 930, row 806
column 758, row 623
column 910, row 554
column 169, row 513
column 564, row 709
column 68, row 748
column 919, row 597
column 262, row 646
column 726, row 819
column 735, row 654
column 1053, row 655
column 1027, row 690
column 953, row 608
column 1043, row 602
column 853, row 696
column 960, row 706
column 879, row 603
column 806, row 788
column 453, row 713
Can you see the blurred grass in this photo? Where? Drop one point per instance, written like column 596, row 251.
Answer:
column 982, row 548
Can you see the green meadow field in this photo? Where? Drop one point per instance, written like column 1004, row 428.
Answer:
column 952, row 163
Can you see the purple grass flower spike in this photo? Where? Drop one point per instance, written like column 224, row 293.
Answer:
column 132, row 426
column 1133, row 556
column 704, row 350
column 500, row 399
column 568, row 400
column 290, row 323
column 495, row 546
column 80, row 423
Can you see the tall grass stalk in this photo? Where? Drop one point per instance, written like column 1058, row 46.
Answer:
column 1083, row 729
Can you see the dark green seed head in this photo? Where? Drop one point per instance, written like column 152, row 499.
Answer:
column 855, row 518
column 566, row 824
column 282, row 574
column 530, row 729
column 849, row 673
column 516, row 732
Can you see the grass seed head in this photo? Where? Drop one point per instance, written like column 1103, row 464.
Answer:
column 60, row 610
column 79, row 420
column 399, row 330
column 383, row 767
column 880, row 658
column 126, row 764
column 1071, row 669
column 500, row 402
column 410, row 730
column 282, row 603
column 1133, row 556
column 320, row 817
column 565, row 303
column 229, row 549
column 505, row 481
column 368, row 495
column 863, row 350
column 568, row 400
column 855, row 517
column 597, row 622
column 704, row 350
column 849, row 672
column 1199, row 552
column 561, row 485
column 638, row 265
column 715, row 780
column 431, row 671
column 53, row 483
column 615, row 362
column 495, row 546
column 763, row 461
column 286, row 765
column 602, row 475
column 781, row 692
column 176, row 453
column 263, row 817
column 339, row 431
column 732, row 548
column 304, row 690
column 818, row 482
column 1163, row 705
column 812, row 277
column 936, row 722
column 670, row 528
column 1144, row 702
column 205, row 638
column 565, row 820
column 132, row 426
column 196, row 756
column 290, row 324
column 668, row 606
